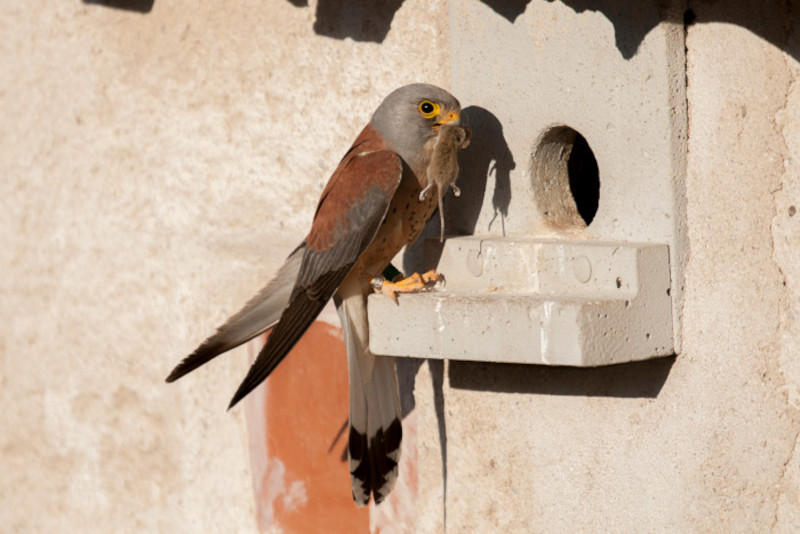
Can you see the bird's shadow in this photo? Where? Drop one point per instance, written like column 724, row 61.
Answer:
column 487, row 156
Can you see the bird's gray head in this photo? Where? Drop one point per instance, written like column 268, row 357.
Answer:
column 412, row 115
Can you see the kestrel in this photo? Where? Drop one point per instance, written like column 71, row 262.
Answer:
column 371, row 207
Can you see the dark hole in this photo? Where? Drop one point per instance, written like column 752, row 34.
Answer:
column 584, row 179
column 688, row 17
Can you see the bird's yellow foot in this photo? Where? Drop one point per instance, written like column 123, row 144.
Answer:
column 412, row 284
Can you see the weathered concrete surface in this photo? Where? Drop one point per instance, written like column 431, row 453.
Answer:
column 156, row 169
column 786, row 242
column 743, row 421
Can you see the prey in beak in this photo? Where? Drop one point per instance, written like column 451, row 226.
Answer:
column 443, row 168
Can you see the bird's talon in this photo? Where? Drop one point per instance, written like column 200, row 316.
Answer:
column 412, row 284
column 431, row 277
column 390, row 292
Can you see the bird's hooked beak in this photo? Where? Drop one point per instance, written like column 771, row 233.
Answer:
column 451, row 117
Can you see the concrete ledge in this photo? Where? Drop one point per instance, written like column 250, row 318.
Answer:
column 535, row 301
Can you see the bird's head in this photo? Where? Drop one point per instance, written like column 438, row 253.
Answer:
column 411, row 115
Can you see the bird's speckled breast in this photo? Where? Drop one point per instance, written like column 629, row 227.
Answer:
column 405, row 219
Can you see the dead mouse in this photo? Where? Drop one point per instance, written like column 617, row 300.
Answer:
column 443, row 168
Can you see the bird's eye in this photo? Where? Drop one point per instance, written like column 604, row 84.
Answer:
column 428, row 109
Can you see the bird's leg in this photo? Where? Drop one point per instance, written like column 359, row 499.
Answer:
column 411, row 284
column 390, row 273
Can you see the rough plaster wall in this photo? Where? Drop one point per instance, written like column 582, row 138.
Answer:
column 704, row 444
column 735, row 316
column 156, row 169
column 786, row 242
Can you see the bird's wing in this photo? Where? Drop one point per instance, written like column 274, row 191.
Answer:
column 349, row 214
column 256, row 317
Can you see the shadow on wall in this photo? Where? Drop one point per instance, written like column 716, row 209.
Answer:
column 626, row 380
column 632, row 20
column 360, row 20
column 487, row 155
column 631, row 27
column 140, row 6
column 369, row 20
column 363, row 20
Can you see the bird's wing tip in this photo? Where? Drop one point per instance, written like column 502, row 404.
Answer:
column 174, row 375
column 182, row 369
column 234, row 402
column 239, row 395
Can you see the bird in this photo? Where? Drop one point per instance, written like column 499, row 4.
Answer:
column 369, row 210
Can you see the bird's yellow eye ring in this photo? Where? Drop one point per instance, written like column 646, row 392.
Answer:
column 428, row 109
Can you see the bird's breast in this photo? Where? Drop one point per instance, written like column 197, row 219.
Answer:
column 404, row 221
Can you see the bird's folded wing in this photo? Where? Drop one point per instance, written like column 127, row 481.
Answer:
column 352, row 208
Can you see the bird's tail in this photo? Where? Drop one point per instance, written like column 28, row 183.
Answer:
column 375, row 428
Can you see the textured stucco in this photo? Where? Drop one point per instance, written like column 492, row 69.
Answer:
column 743, row 423
column 157, row 167
column 786, row 242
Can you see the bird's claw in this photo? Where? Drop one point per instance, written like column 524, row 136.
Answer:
column 412, row 284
